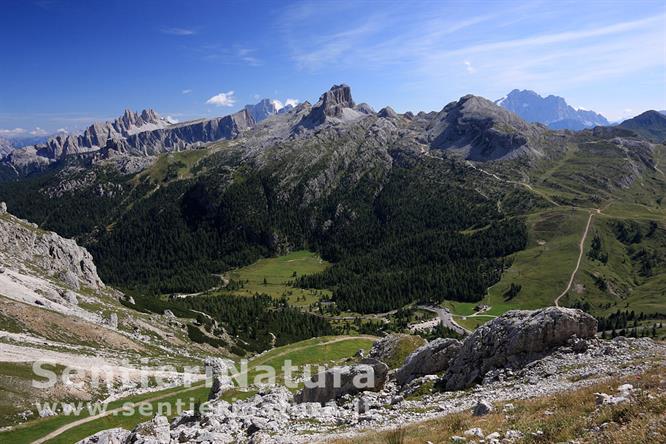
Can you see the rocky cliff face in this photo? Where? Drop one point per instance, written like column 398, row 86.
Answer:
column 24, row 244
column 6, row 146
column 335, row 104
column 181, row 136
column 136, row 134
column 99, row 134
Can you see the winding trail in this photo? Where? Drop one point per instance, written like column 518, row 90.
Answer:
column 581, row 247
column 135, row 405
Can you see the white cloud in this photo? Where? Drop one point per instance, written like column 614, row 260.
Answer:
column 279, row 104
column 178, row 31
column 222, row 99
column 38, row 132
column 171, row 119
column 186, row 91
column 62, row 130
column 12, row 132
column 469, row 68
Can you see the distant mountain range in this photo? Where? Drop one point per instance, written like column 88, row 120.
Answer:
column 552, row 111
column 266, row 108
column 472, row 127
column 139, row 134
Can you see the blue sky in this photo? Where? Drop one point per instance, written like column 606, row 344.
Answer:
column 66, row 63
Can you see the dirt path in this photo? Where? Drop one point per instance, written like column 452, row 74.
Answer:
column 135, row 405
column 581, row 247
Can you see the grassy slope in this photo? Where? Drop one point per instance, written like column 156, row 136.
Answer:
column 543, row 269
column 313, row 351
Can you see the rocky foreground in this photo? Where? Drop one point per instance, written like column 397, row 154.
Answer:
column 523, row 354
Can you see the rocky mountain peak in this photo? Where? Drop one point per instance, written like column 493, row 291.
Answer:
column 551, row 110
column 335, row 100
column 480, row 130
column 387, row 112
column 262, row 110
column 650, row 124
column 335, row 104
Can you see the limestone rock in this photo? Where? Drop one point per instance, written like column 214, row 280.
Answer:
column 515, row 339
column 474, row 433
column 482, row 408
column 111, row 436
column 388, row 113
column 70, row 297
column 336, row 382
column 432, row 358
column 113, row 321
column 217, row 371
column 155, row 431
column 3, row 208
column 336, row 103
column 55, row 256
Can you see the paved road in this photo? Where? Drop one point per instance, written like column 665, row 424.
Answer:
column 581, row 247
column 446, row 318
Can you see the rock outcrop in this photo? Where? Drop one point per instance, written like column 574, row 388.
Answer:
column 217, row 370
column 6, row 147
column 24, row 243
column 432, row 358
column 388, row 113
column 156, row 431
column 335, row 104
column 369, row 375
column 111, row 436
column 515, row 339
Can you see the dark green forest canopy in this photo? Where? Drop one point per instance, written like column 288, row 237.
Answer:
column 393, row 239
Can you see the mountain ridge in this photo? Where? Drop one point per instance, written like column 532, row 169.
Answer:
column 650, row 124
column 552, row 111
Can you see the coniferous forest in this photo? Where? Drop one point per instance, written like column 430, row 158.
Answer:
column 417, row 236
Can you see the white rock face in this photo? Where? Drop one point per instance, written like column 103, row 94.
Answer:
column 340, row 381
column 515, row 339
column 24, row 244
column 429, row 359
